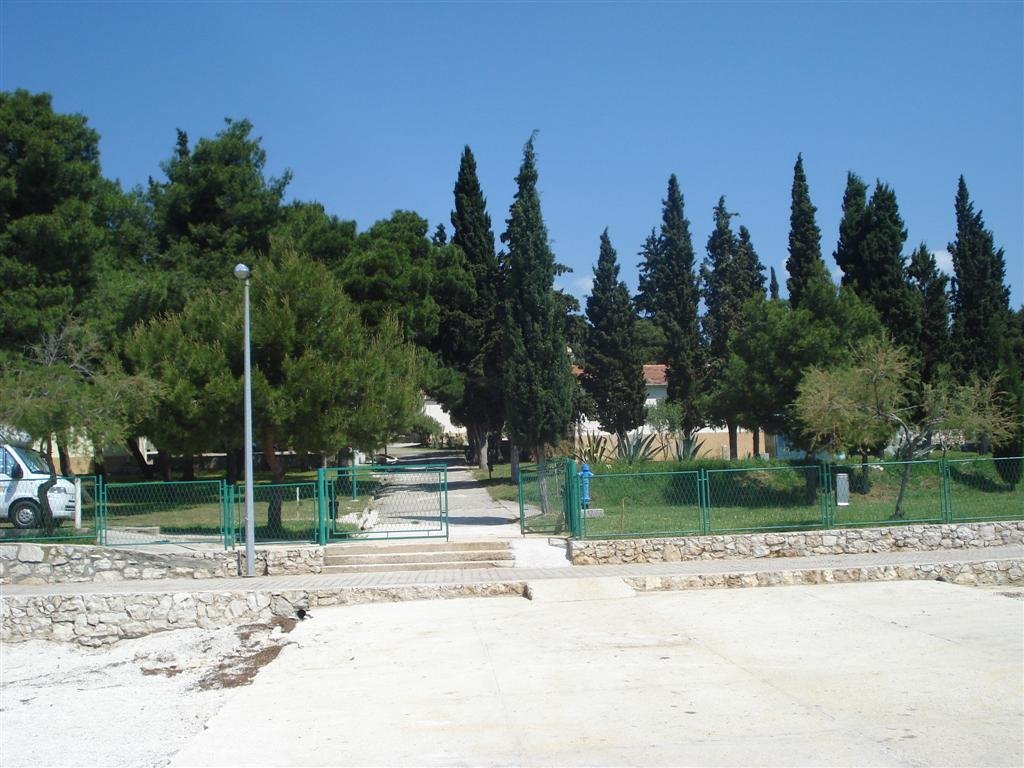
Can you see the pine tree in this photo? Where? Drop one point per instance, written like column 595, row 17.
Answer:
column 804, row 263
column 773, row 286
column 668, row 293
column 480, row 360
column 980, row 297
column 538, row 382
column 614, row 374
column 930, row 286
column 878, row 275
column 855, row 205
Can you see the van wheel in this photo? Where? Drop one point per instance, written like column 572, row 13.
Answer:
column 24, row 514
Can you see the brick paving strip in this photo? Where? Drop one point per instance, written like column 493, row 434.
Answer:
column 1010, row 557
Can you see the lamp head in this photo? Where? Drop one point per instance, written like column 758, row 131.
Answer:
column 242, row 272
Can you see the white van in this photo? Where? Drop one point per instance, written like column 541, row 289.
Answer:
column 22, row 471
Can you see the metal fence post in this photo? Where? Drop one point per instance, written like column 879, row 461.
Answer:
column 522, row 511
column 825, row 483
column 570, row 498
column 100, row 511
column 321, row 505
column 946, row 498
column 444, row 500
column 704, row 501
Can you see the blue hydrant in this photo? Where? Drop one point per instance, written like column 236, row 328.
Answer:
column 586, row 474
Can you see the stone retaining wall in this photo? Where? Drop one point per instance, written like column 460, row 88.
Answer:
column 844, row 541
column 100, row 620
column 990, row 573
column 65, row 563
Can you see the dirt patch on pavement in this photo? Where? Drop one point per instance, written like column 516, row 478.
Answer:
column 239, row 670
column 162, row 688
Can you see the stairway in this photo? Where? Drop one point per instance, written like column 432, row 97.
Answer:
column 417, row 556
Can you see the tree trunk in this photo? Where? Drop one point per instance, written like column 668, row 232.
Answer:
column 733, row 441
column 140, row 460
column 481, row 447
column 274, row 526
column 163, row 466
column 757, row 442
column 65, row 459
column 864, row 485
column 904, row 480
column 46, row 521
column 513, row 458
column 233, row 465
column 189, row 472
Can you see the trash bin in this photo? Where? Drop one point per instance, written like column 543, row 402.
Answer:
column 842, row 490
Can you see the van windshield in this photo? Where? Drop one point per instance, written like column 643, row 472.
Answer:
column 35, row 463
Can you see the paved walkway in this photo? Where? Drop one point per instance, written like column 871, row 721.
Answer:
column 500, row 575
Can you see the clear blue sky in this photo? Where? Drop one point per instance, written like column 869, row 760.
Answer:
column 370, row 105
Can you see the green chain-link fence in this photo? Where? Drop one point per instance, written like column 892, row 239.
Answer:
column 773, row 498
column 984, row 489
column 186, row 512
column 282, row 513
column 643, row 504
column 543, row 502
column 886, row 493
column 383, row 502
column 766, row 498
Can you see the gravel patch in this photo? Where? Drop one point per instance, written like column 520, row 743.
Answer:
column 134, row 704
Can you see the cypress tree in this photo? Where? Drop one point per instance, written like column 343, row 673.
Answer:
column 440, row 236
column 481, row 406
column 749, row 266
column 773, row 286
column 804, row 263
column 980, row 297
column 538, row 382
column 930, row 286
column 855, row 205
column 730, row 276
column 879, row 274
column 668, row 293
column 722, row 295
column 614, row 374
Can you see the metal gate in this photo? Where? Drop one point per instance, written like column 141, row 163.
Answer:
column 383, row 502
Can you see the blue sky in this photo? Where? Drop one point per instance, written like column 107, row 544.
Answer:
column 370, row 105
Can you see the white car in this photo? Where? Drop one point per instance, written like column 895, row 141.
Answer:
column 22, row 471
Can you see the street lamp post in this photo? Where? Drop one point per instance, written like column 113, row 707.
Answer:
column 242, row 272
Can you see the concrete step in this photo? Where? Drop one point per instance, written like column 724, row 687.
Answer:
column 398, row 558
column 460, row 565
column 421, row 545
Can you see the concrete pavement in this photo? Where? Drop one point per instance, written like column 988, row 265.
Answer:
column 901, row 674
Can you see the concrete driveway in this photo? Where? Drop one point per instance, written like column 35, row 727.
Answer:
column 904, row 673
